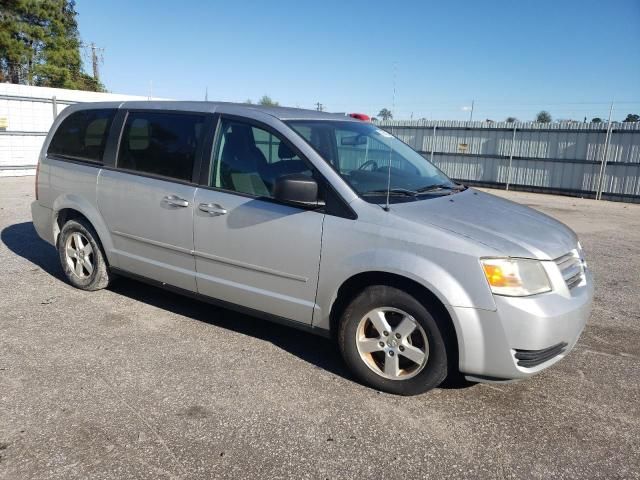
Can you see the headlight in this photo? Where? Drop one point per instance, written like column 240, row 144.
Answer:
column 515, row 277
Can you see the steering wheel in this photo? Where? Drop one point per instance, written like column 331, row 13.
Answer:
column 369, row 163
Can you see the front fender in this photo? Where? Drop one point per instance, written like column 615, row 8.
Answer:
column 456, row 280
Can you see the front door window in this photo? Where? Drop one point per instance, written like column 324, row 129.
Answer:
column 249, row 160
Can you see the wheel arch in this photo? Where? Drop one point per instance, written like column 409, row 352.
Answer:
column 70, row 207
column 358, row 282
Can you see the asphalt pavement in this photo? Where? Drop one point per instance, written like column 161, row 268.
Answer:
column 136, row 382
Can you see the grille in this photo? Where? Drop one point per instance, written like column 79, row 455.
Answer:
column 532, row 358
column 570, row 266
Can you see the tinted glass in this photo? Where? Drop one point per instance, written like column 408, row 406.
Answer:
column 161, row 143
column 250, row 160
column 82, row 135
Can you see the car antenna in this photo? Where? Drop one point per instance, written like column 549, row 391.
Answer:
column 386, row 206
column 393, row 108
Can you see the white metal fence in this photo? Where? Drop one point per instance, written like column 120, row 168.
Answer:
column 581, row 159
column 26, row 114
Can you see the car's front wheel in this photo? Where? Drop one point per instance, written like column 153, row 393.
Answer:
column 81, row 256
column 392, row 342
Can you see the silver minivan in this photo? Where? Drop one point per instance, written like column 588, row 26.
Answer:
column 321, row 221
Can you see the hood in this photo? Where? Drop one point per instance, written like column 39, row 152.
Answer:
column 511, row 228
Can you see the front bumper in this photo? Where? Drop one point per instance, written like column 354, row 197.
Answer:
column 490, row 341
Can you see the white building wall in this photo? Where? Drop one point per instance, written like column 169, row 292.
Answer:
column 26, row 114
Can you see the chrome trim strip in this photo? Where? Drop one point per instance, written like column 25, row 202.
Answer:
column 571, row 269
column 154, row 243
column 249, row 266
column 574, row 281
column 215, row 258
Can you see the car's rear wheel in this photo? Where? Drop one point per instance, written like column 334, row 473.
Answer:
column 392, row 342
column 81, row 256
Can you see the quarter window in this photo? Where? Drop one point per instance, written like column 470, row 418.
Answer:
column 250, row 160
column 82, row 135
column 161, row 143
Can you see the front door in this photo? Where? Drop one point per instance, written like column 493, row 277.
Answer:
column 251, row 250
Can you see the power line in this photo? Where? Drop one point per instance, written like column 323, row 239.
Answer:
column 490, row 103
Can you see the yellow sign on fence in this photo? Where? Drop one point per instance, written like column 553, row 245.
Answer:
column 4, row 122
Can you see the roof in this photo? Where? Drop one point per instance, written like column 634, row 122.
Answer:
column 282, row 113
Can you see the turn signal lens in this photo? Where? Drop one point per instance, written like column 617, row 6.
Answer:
column 495, row 275
column 515, row 277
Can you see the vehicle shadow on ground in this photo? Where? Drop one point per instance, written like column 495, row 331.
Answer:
column 23, row 240
column 314, row 349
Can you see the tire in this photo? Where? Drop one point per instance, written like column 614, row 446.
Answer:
column 361, row 344
column 89, row 271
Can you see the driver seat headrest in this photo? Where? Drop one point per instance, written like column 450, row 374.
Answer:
column 284, row 151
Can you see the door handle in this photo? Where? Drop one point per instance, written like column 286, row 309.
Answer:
column 212, row 209
column 176, row 201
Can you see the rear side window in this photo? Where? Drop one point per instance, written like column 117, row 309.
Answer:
column 83, row 135
column 161, row 143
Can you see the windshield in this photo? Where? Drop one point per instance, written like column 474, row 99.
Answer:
column 370, row 159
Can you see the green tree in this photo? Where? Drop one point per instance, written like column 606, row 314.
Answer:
column 511, row 120
column 543, row 117
column 632, row 117
column 267, row 101
column 40, row 45
column 596, row 120
column 385, row 114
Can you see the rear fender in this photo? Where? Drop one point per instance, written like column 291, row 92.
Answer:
column 90, row 211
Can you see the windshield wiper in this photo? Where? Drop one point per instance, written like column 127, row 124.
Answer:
column 392, row 191
column 440, row 186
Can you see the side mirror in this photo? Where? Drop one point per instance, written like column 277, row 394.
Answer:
column 296, row 188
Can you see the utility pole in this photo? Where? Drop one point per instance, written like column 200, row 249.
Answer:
column 513, row 147
column 393, row 100
column 319, row 107
column 471, row 113
column 96, row 59
column 603, row 162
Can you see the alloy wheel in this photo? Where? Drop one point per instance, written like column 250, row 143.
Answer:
column 79, row 255
column 392, row 343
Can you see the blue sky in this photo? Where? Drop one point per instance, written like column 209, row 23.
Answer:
column 512, row 57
